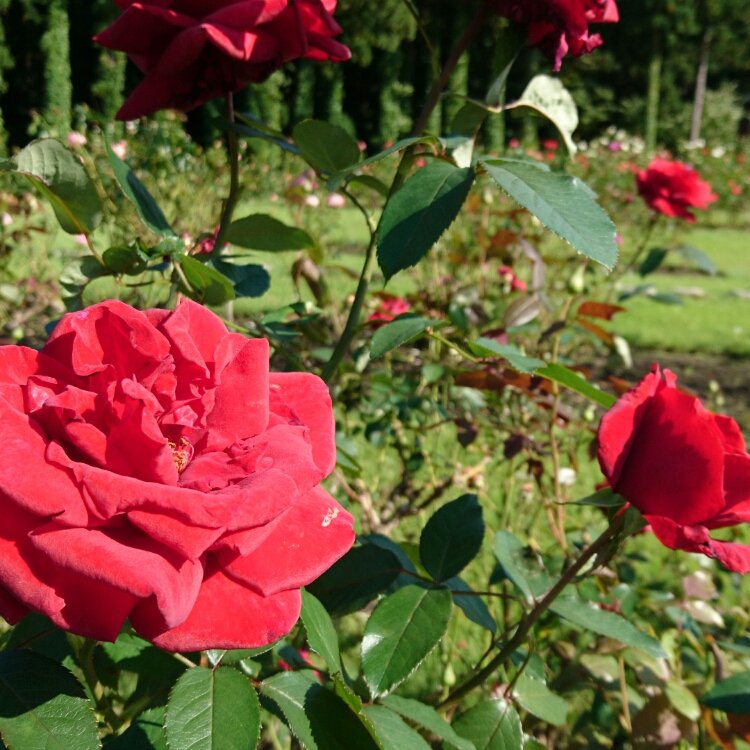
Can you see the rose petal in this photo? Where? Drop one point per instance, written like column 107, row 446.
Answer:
column 72, row 601
column 241, row 398
column 735, row 557
column 27, row 479
column 226, row 615
column 619, row 425
column 295, row 548
column 126, row 560
column 11, row 610
column 306, row 396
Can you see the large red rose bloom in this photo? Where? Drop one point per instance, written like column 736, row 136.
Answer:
column 673, row 188
column 153, row 470
column 560, row 27
column 194, row 50
column 685, row 468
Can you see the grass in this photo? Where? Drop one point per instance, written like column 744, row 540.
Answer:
column 717, row 323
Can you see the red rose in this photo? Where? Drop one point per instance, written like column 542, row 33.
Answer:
column 194, row 50
column 153, row 470
column 685, row 468
column 560, row 27
column 671, row 188
column 389, row 309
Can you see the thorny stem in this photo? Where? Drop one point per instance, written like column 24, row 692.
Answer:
column 558, row 524
column 233, row 152
column 352, row 320
column 450, row 65
column 528, row 622
column 633, row 262
column 86, row 662
column 342, row 347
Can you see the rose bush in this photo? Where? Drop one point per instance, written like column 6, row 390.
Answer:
column 560, row 27
column 155, row 471
column 194, row 50
column 685, row 468
column 672, row 188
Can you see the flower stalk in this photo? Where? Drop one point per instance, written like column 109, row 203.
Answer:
column 528, row 622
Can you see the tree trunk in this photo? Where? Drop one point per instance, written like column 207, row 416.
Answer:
column 700, row 85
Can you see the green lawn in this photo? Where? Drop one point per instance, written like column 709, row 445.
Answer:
column 718, row 322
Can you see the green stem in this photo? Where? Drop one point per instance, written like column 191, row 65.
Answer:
column 233, row 152
column 528, row 622
column 86, row 662
column 352, row 321
column 441, row 81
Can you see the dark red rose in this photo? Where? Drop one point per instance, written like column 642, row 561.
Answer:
column 560, row 27
column 155, row 471
column 685, row 468
column 194, row 50
column 672, row 188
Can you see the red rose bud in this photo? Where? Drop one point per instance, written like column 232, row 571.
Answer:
column 194, row 50
column 155, row 471
column 685, row 468
column 672, row 188
column 560, row 27
column 388, row 309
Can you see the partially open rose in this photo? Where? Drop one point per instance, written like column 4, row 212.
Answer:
column 194, row 50
column 673, row 189
column 560, row 27
column 154, row 471
column 685, row 468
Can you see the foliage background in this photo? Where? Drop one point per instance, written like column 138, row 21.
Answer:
column 655, row 48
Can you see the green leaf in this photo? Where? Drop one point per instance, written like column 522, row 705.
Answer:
column 43, row 706
column 452, row 537
column 230, row 657
column 427, row 717
column 263, row 232
column 127, row 259
column 563, row 204
column 731, row 695
column 484, row 347
column 373, row 183
column 590, row 617
column 402, row 630
column 356, row 579
column 547, row 96
column 492, row 725
column 570, row 379
column 248, row 279
column 207, row 285
column 317, row 717
column 63, row 181
column 419, row 212
column 396, row 333
column 324, row 146
column 321, row 635
column 213, row 710
column 605, row 498
column 683, row 699
column 653, row 260
column 397, row 146
column 392, row 731
column 147, row 207
column 521, row 565
column 472, row 605
column 536, row 698
column 698, row 258
column 145, row 733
